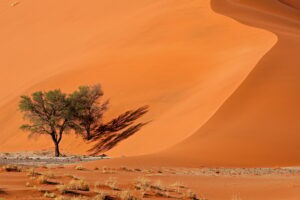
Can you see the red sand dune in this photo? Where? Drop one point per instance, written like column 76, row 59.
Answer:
column 258, row 124
column 179, row 57
column 189, row 63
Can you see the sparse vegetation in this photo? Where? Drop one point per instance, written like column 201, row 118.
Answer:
column 112, row 183
column 32, row 173
column 55, row 113
column 142, row 183
column 78, row 185
column 49, row 174
column 62, row 198
column 157, row 188
column 49, row 195
column 157, row 185
column 79, row 167
column 126, row 195
column 102, row 196
column 62, row 188
column 72, row 177
column 12, row 168
column 189, row 194
column 177, row 186
column 107, row 170
column 42, row 180
column 102, row 190
column 73, row 198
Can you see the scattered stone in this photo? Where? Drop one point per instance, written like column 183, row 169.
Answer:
column 43, row 158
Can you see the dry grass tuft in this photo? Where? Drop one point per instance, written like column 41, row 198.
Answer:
column 126, row 169
column 72, row 177
column 142, row 183
column 49, row 174
column 62, row 198
column 102, row 196
column 147, row 187
column 12, row 168
column 126, row 195
column 189, row 194
column 62, row 189
column 112, row 183
column 32, row 173
column 178, row 187
column 49, row 195
column 106, row 170
column 42, row 180
column 37, row 188
column 79, row 167
column 72, row 198
column 79, row 185
column 157, row 189
column 73, row 185
column 162, row 194
column 158, row 186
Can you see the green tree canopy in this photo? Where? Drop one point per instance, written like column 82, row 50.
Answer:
column 55, row 113
column 48, row 113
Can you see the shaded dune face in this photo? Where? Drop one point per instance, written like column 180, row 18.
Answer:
column 179, row 57
column 292, row 3
column 258, row 125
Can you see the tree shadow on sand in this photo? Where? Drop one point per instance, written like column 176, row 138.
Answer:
column 2, row 191
column 112, row 133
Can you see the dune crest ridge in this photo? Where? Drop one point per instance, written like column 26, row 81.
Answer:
column 257, row 125
column 292, row 3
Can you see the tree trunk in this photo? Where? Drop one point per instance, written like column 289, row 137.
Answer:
column 57, row 153
column 88, row 134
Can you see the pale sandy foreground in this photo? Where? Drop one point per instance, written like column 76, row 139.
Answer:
column 163, row 183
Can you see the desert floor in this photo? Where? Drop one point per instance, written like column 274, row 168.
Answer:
column 93, row 180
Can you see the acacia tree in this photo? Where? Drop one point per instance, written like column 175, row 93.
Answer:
column 55, row 113
column 88, row 110
column 48, row 113
column 89, row 120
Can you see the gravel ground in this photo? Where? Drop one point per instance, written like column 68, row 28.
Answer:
column 43, row 158
column 205, row 171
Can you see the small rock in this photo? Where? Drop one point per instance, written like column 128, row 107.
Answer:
column 14, row 4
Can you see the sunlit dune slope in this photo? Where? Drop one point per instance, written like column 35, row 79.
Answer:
column 179, row 57
column 259, row 124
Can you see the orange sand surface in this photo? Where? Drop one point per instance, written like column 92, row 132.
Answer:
column 218, row 187
column 221, row 77
column 258, row 124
